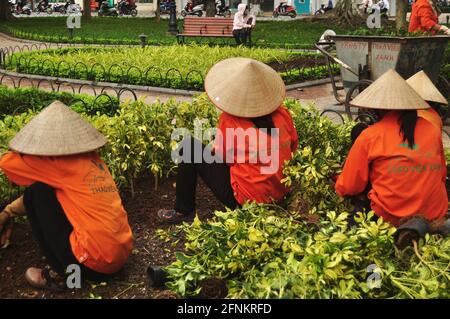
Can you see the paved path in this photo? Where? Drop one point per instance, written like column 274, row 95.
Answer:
column 6, row 41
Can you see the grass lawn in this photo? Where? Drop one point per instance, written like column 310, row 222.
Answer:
column 296, row 33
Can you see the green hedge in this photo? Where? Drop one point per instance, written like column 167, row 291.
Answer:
column 178, row 67
column 22, row 99
column 139, row 135
column 277, row 34
column 307, row 250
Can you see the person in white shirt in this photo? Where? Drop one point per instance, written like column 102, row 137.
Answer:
column 383, row 5
column 242, row 24
column 366, row 5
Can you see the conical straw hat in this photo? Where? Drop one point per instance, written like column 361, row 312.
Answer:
column 390, row 92
column 244, row 87
column 422, row 84
column 57, row 131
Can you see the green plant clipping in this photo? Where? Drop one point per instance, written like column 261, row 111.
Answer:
column 307, row 250
column 304, row 249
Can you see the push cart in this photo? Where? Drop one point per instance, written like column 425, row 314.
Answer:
column 363, row 59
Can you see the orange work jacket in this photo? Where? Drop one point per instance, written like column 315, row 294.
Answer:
column 256, row 178
column 405, row 182
column 432, row 116
column 101, row 238
column 423, row 17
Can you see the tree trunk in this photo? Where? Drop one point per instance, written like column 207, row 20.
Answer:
column 87, row 9
column 400, row 14
column 210, row 8
column 158, row 11
column 5, row 10
column 345, row 12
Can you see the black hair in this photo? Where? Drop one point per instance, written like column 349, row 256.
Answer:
column 407, row 121
column 264, row 122
column 357, row 130
column 246, row 8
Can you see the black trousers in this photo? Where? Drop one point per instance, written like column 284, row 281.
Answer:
column 360, row 202
column 51, row 229
column 241, row 36
column 215, row 175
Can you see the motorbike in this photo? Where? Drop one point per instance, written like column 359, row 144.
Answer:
column 223, row 12
column 196, row 11
column 70, row 7
column 164, row 7
column 288, row 11
column 26, row 9
column 73, row 8
column 43, row 7
column 12, row 6
column 106, row 11
column 322, row 10
column 59, row 8
column 127, row 10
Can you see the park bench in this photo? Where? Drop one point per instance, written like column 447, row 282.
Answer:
column 206, row 27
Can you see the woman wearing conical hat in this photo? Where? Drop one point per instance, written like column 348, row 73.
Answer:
column 423, row 85
column 71, row 200
column 399, row 160
column 255, row 136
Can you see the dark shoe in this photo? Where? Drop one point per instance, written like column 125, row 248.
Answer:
column 444, row 230
column 157, row 277
column 411, row 230
column 213, row 288
column 171, row 216
column 45, row 279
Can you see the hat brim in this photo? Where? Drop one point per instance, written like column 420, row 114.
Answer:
column 389, row 92
column 57, row 131
column 244, row 87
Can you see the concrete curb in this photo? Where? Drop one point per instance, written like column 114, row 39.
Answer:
column 141, row 87
column 54, row 45
column 295, row 86
column 101, row 84
column 10, row 38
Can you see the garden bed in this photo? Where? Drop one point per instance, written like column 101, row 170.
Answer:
column 148, row 249
column 16, row 101
column 304, row 249
column 178, row 67
column 284, row 34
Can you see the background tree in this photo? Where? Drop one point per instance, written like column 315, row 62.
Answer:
column 210, row 7
column 87, row 9
column 401, row 7
column 5, row 11
column 347, row 13
column 158, row 11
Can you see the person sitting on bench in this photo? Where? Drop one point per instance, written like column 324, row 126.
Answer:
column 242, row 24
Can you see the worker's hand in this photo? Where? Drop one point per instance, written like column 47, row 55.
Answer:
column 444, row 29
column 3, row 220
column 6, row 226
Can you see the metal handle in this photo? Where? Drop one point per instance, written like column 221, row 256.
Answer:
column 345, row 66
